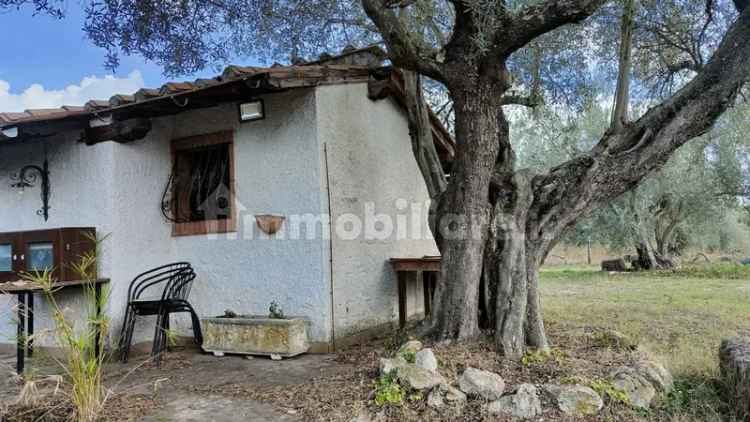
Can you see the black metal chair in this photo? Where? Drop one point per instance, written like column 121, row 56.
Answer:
column 172, row 284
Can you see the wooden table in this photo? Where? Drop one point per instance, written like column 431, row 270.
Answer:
column 25, row 292
column 428, row 267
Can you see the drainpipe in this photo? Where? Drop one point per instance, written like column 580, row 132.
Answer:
column 330, row 246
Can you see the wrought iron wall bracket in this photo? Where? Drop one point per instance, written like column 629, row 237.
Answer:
column 27, row 178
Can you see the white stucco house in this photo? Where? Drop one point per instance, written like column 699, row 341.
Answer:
column 308, row 144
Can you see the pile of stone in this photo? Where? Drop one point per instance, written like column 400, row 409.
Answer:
column 416, row 368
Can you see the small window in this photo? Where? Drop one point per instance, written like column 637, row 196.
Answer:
column 6, row 265
column 40, row 257
column 202, row 185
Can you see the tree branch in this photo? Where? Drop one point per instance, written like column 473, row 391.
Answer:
column 684, row 65
column 622, row 93
column 422, row 142
column 406, row 50
column 530, row 101
column 619, row 162
column 540, row 18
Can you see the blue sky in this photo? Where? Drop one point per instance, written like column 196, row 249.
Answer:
column 46, row 62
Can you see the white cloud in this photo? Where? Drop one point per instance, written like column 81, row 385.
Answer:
column 90, row 88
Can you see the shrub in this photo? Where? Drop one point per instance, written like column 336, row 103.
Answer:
column 409, row 355
column 388, row 391
column 605, row 389
column 84, row 357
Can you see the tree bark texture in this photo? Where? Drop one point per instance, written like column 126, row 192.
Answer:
column 463, row 213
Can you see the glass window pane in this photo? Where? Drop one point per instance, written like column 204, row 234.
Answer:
column 5, row 262
column 202, row 184
column 40, row 257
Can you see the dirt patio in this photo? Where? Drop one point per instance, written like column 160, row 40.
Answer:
column 191, row 386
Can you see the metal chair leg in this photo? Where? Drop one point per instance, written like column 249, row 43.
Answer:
column 160, row 337
column 127, row 339
column 156, row 346
column 197, row 332
column 165, row 332
column 124, row 329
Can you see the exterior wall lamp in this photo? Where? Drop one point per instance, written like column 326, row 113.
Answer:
column 28, row 177
column 252, row 110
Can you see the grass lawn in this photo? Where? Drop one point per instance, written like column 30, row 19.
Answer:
column 680, row 317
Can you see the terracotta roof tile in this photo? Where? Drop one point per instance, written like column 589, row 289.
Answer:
column 177, row 87
column 342, row 65
column 39, row 112
column 120, row 99
column 93, row 105
column 203, row 83
column 12, row 117
column 146, row 93
column 73, row 109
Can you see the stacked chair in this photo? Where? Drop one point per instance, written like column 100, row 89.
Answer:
column 161, row 291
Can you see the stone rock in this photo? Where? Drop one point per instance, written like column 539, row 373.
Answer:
column 274, row 356
column 575, row 400
column 389, row 365
column 656, row 374
column 445, row 394
column 418, row 378
column 435, row 399
column 410, row 347
column 484, row 384
column 639, row 391
column 524, row 404
column 452, row 394
column 734, row 363
column 426, row 359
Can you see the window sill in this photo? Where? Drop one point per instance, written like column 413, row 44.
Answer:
column 204, row 227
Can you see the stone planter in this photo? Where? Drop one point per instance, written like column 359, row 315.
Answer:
column 251, row 335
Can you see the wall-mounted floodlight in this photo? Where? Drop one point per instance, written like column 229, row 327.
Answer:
column 252, row 110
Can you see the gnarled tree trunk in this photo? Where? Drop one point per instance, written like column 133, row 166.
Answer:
column 511, row 264
column 463, row 213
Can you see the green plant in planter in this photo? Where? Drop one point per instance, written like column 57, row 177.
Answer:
column 275, row 311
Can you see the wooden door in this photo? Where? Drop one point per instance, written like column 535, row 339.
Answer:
column 74, row 244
